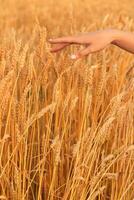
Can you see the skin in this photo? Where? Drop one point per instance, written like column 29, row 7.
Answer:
column 95, row 41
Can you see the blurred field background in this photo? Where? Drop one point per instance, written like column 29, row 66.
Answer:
column 66, row 127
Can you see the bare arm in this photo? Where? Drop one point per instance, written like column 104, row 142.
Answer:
column 95, row 41
column 124, row 40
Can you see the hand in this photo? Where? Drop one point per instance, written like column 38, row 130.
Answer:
column 93, row 41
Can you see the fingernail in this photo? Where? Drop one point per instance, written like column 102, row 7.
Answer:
column 50, row 39
column 73, row 56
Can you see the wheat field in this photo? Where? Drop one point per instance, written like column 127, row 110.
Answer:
column 66, row 127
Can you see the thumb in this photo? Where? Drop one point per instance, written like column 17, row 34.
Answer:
column 84, row 52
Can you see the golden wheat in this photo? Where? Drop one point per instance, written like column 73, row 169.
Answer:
column 66, row 126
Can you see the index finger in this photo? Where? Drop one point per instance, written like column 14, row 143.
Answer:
column 67, row 39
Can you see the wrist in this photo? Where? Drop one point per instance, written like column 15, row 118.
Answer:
column 115, row 36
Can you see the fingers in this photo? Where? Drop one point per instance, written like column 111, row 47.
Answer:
column 67, row 39
column 58, row 47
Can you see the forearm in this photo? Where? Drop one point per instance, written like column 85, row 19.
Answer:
column 124, row 40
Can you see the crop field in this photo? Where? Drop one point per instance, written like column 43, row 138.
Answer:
column 66, row 126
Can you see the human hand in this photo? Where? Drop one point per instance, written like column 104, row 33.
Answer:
column 93, row 41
